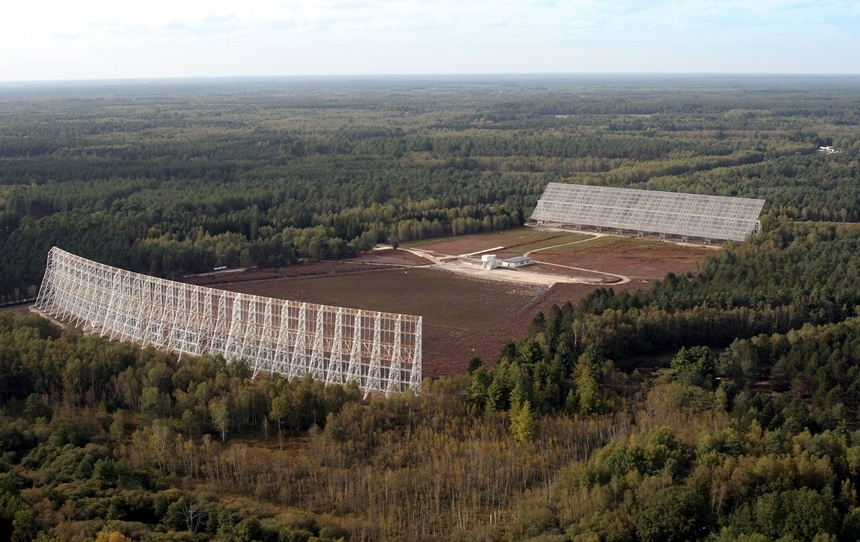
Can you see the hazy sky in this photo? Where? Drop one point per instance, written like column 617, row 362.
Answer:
column 96, row 39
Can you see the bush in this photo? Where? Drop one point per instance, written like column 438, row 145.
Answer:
column 674, row 514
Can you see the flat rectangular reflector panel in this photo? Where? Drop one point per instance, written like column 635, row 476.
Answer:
column 671, row 213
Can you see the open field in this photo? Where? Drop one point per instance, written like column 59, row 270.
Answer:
column 629, row 256
column 375, row 261
column 585, row 276
column 392, row 257
column 530, row 245
column 442, row 298
column 463, row 316
column 448, row 350
column 466, row 315
column 598, row 253
column 460, row 313
column 515, row 242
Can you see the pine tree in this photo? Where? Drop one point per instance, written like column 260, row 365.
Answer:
column 518, row 395
column 523, row 425
column 538, row 324
column 495, row 399
column 570, row 403
column 587, row 392
column 481, row 380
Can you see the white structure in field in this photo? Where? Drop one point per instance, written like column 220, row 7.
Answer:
column 488, row 261
column 666, row 213
column 518, row 261
column 379, row 351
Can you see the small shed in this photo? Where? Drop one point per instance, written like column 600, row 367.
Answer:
column 519, row 261
column 488, row 261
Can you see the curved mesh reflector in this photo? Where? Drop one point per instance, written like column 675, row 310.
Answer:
column 379, row 351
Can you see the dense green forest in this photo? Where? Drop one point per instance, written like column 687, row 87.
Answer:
column 747, row 430
column 177, row 178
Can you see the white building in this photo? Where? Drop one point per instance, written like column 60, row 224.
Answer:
column 519, row 261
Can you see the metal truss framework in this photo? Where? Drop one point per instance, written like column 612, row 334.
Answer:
column 667, row 213
column 379, row 351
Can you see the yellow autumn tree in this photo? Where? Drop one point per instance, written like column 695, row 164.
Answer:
column 112, row 536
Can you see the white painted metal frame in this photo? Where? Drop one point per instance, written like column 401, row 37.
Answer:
column 668, row 213
column 379, row 351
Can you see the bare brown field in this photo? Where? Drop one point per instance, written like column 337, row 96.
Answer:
column 591, row 277
column 463, row 316
column 527, row 246
column 375, row 261
column 392, row 257
column 442, row 298
column 629, row 256
column 515, row 242
column 448, row 350
column 466, row 316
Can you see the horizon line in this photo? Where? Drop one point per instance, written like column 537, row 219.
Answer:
column 440, row 75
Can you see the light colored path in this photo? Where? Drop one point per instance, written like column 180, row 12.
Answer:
column 566, row 244
column 480, row 252
column 716, row 245
column 426, row 254
column 510, row 275
column 622, row 277
column 219, row 272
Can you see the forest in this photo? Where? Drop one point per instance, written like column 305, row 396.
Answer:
column 723, row 404
column 182, row 178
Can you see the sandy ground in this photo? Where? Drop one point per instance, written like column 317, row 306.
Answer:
column 550, row 273
column 473, row 268
column 562, row 256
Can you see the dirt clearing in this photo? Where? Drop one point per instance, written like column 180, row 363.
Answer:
column 632, row 257
column 466, row 316
column 463, row 316
column 514, row 242
column 442, row 298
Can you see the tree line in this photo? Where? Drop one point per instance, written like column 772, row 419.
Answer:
column 187, row 179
